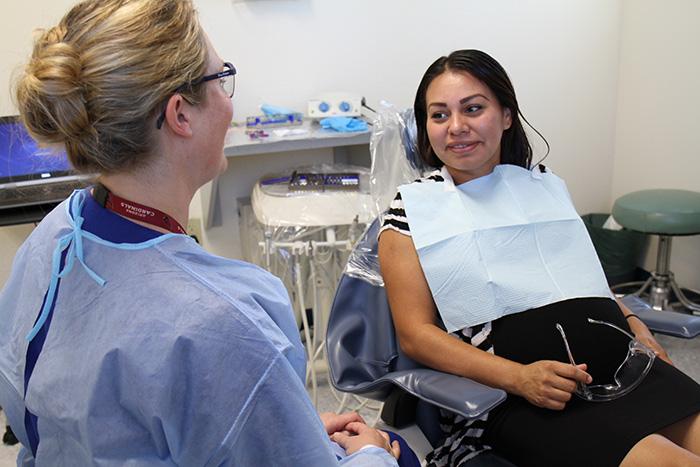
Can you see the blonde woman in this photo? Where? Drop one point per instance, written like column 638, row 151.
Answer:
column 122, row 342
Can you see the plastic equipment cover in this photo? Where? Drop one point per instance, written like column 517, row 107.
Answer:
column 280, row 202
column 298, row 223
column 395, row 161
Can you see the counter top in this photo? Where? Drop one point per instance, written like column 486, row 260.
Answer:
column 238, row 143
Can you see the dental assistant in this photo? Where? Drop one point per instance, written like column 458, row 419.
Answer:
column 122, row 342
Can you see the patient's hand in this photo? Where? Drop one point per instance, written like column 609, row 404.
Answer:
column 360, row 435
column 549, row 384
column 334, row 422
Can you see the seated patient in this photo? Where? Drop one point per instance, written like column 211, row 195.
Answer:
column 491, row 275
column 123, row 342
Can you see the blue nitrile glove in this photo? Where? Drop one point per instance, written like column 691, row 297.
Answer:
column 344, row 124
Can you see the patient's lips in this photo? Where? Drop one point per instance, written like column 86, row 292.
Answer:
column 462, row 147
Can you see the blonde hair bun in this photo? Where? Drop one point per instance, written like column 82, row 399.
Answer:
column 50, row 95
column 97, row 80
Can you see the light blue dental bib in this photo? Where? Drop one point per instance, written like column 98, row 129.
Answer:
column 500, row 244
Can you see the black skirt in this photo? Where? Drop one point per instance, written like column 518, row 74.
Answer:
column 584, row 433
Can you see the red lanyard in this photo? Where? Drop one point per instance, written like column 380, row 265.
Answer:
column 136, row 211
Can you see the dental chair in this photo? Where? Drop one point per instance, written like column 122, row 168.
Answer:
column 364, row 359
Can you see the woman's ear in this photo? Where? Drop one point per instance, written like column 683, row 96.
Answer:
column 177, row 116
column 507, row 118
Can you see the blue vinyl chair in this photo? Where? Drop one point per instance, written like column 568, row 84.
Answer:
column 364, row 358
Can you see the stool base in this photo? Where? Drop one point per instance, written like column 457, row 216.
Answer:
column 661, row 282
column 659, row 288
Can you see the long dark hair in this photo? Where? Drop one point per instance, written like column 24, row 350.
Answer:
column 515, row 147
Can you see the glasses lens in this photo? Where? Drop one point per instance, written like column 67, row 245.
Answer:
column 633, row 369
column 627, row 377
column 229, row 84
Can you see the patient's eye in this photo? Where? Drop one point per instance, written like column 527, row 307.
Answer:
column 473, row 108
column 438, row 115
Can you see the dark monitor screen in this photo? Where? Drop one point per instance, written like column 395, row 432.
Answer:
column 22, row 159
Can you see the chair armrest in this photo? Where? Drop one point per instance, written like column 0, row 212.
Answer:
column 664, row 322
column 455, row 393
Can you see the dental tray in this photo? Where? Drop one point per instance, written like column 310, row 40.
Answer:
column 322, row 182
column 308, row 181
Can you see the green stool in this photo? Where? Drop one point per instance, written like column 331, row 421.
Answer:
column 666, row 213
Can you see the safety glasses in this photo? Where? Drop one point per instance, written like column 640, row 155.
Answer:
column 628, row 375
column 227, row 81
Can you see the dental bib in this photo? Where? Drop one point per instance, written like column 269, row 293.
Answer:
column 500, row 244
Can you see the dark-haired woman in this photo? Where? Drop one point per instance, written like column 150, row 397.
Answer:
column 488, row 267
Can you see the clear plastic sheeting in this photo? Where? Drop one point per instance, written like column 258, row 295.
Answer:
column 301, row 226
column 321, row 195
column 394, row 153
column 395, row 161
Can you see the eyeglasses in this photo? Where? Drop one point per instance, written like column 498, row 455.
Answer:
column 227, row 81
column 627, row 376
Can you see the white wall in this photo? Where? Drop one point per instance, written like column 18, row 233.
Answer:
column 657, row 138
column 19, row 21
column 10, row 239
column 561, row 55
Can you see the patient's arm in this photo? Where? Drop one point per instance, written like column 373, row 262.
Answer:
column 545, row 383
column 642, row 333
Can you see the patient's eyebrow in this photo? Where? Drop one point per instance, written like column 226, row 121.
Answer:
column 461, row 102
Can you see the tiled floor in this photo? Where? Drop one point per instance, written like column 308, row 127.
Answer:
column 685, row 354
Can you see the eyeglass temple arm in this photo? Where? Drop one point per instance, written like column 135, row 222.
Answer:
column 566, row 344
column 583, row 388
column 595, row 321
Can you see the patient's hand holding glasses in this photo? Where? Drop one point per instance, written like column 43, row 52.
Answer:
column 627, row 376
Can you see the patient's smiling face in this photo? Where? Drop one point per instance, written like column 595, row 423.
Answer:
column 465, row 123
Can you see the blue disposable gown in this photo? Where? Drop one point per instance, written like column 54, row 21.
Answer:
column 178, row 358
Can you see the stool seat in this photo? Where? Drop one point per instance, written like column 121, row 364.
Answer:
column 659, row 212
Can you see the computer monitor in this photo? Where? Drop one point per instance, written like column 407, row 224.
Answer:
column 31, row 175
column 22, row 160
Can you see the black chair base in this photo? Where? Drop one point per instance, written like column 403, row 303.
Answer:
column 399, row 408
column 9, row 437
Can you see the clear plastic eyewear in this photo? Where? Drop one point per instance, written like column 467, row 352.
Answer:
column 627, row 376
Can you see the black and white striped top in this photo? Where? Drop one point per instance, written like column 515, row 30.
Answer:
column 462, row 437
column 395, row 217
